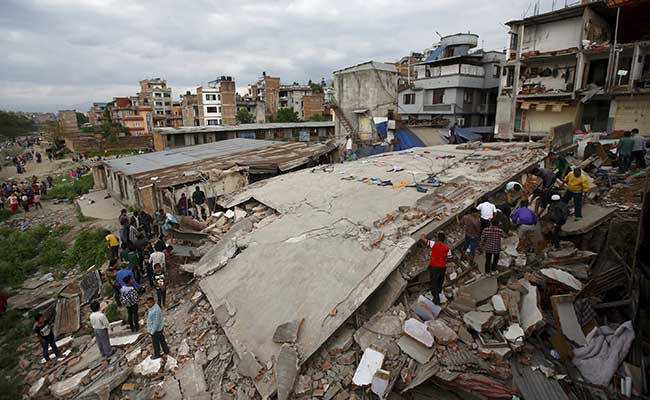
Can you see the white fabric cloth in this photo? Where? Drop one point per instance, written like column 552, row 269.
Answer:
column 639, row 142
column 157, row 257
column 487, row 210
column 348, row 144
column 606, row 348
column 98, row 320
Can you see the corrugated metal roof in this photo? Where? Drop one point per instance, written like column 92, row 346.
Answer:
column 245, row 127
column 534, row 385
column 163, row 159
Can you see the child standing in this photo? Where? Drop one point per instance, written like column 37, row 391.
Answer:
column 45, row 334
column 160, row 284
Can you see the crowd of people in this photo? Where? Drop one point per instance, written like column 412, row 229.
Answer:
column 195, row 207
column 24, row 194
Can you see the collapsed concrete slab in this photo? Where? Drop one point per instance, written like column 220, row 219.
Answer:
column 369, row 364
column 530, row 314
column 562, row 277
column 324, row 255
column 286, row 371
column 65, row 387
column 288, row 332
column 192, row 381
column 68, row 316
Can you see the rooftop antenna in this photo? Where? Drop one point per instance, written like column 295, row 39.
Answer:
column 438, row 33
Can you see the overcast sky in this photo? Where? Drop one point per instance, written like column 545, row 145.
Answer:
column 66, row 54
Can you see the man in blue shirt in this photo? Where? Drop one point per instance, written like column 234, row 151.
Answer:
column 527, row 227
column 123, row 273
column 155, row 325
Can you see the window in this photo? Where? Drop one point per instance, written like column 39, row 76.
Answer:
column 210, row 97
column 219, row 121
column 467, row 96
column 497, row 71
column 160, row 112
column 219, row 97
column 513, row 41
column 213, row 122
column 427, row 72
column 158, row 94
column 167, row 95
column 219, row 109
column 511, row 77
column 449, row 52
column 211, row 109
column 437, row 96
column 158, row 103
column 409, row 98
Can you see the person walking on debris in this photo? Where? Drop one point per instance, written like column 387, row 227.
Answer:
column 112, row 279
column 45, row 334
column 160, row 284
column 100, row 324
column 487, row 210
column 548, row 182
column 576, row 184
column 558, row 212
column 561, row 164
column 125, row 273
column 514, row 192
column 124, row 226
column 471, row 224
column 624, row 150
column 639, row 149
column 113, row 244
column 437, row 264
column 146, row 221
column 527, row 227
column 198, row 197
column 183, row 205
column 130, row 298
column 155, row 325
column 490, row 244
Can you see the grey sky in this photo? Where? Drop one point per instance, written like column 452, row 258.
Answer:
column 67, row 54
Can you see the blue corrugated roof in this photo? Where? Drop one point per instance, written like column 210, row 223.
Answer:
column 434, row 54
column 468, row 135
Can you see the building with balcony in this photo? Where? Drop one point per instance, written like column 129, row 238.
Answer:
column 266, row 90
column 217, row 102
column 96, row 114
column 154, row 93
column 453, row 85
column 577, row 65
column 121, row 108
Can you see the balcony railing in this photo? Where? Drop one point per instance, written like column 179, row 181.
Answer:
column 438, row 107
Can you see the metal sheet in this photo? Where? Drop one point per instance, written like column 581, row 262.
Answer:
column 533, row 385
column 68, row 318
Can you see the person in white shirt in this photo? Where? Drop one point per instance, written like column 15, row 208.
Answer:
column 487, row 210
column 157, row 257
column 100, row 324
column 348, row 148
column 639, row 149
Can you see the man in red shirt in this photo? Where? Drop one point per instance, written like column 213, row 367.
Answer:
column 437, row 264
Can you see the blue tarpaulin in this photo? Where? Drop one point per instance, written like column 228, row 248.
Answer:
column 247, row 135
column 467, row 135
column 366, row 151
column 382, row 129
column 407, row 139
column 435, row 53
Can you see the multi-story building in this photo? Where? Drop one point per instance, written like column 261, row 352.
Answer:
column 96, row 114
column 216, row 102
column 266, row 90
column 120, row 108
column 177, row 114
column 291, row 97
column 255, row 107
column 68, row 121
column 587, row 65
column 190, row 109
column 362, row 93
column 155, row 94
column 453, row 85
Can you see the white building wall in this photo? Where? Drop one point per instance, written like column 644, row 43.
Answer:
column 551, row 36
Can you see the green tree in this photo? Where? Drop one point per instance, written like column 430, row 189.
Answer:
column 316, row 118
column 12, row 124
column 315, row 87
column 81, row 119
column 286, row 115
column 244, row 117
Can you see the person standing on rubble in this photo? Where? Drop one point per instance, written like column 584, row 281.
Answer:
column 639, row 149
column 111, row 274
column 487, row 210
column 471, row 224
column 490, row 244
column 146, row 221
column 624, row 150
column 113, row 244
column 124, row 273
column 437, row 264
column 130, row 299
column 45, row 334
column 514, row 193
column 548, row 183
column 100, row 324
column 558, row 212
column 124, row 226
column 348, row 148
column 576, row 185
column 198, row 198
column 155, row 325
column 527, row 227
column 160, row 284
column 561, row 164
column 183, row 205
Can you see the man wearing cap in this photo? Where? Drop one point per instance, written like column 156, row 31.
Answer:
column 558, row 212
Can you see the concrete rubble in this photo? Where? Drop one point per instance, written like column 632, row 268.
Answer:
column 302, row 295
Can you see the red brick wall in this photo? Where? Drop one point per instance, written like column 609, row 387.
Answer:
column 79, row 144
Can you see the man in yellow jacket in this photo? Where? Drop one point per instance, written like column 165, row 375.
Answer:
column 576, row 184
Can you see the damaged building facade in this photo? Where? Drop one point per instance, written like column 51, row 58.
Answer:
column 588, row 65
column 152, row 181
column 453, row 85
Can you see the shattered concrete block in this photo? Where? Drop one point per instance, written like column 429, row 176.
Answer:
column 381, row 331
column 192, row 381
column 133, row 354
column 64, row 388
column 224, row 312
column 370, row 363
column 499, row 305
column 480, row 290
column 286, row 371
column 148, row 366
column 331, row 391
column 441, row 332
column 35, row 389
column 249, row 366
column 62, row 343
column 415, row 349
column 107, row 382
column 530, row 314
column 418, row 331
column 183, row 349
column 425, row 308
column 380, row 382
column 514, row 334
column 288, row 332
column 465, row 336
column 477, row 320
column 124, row 340
column 171, row 389
column 562, row 277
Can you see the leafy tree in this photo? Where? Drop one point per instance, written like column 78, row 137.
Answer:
column 12, row 124
column 316, row 118
column 286, row 115
column 112, row 131
column 244, row 117
column 315, row 87
column 81, row 119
